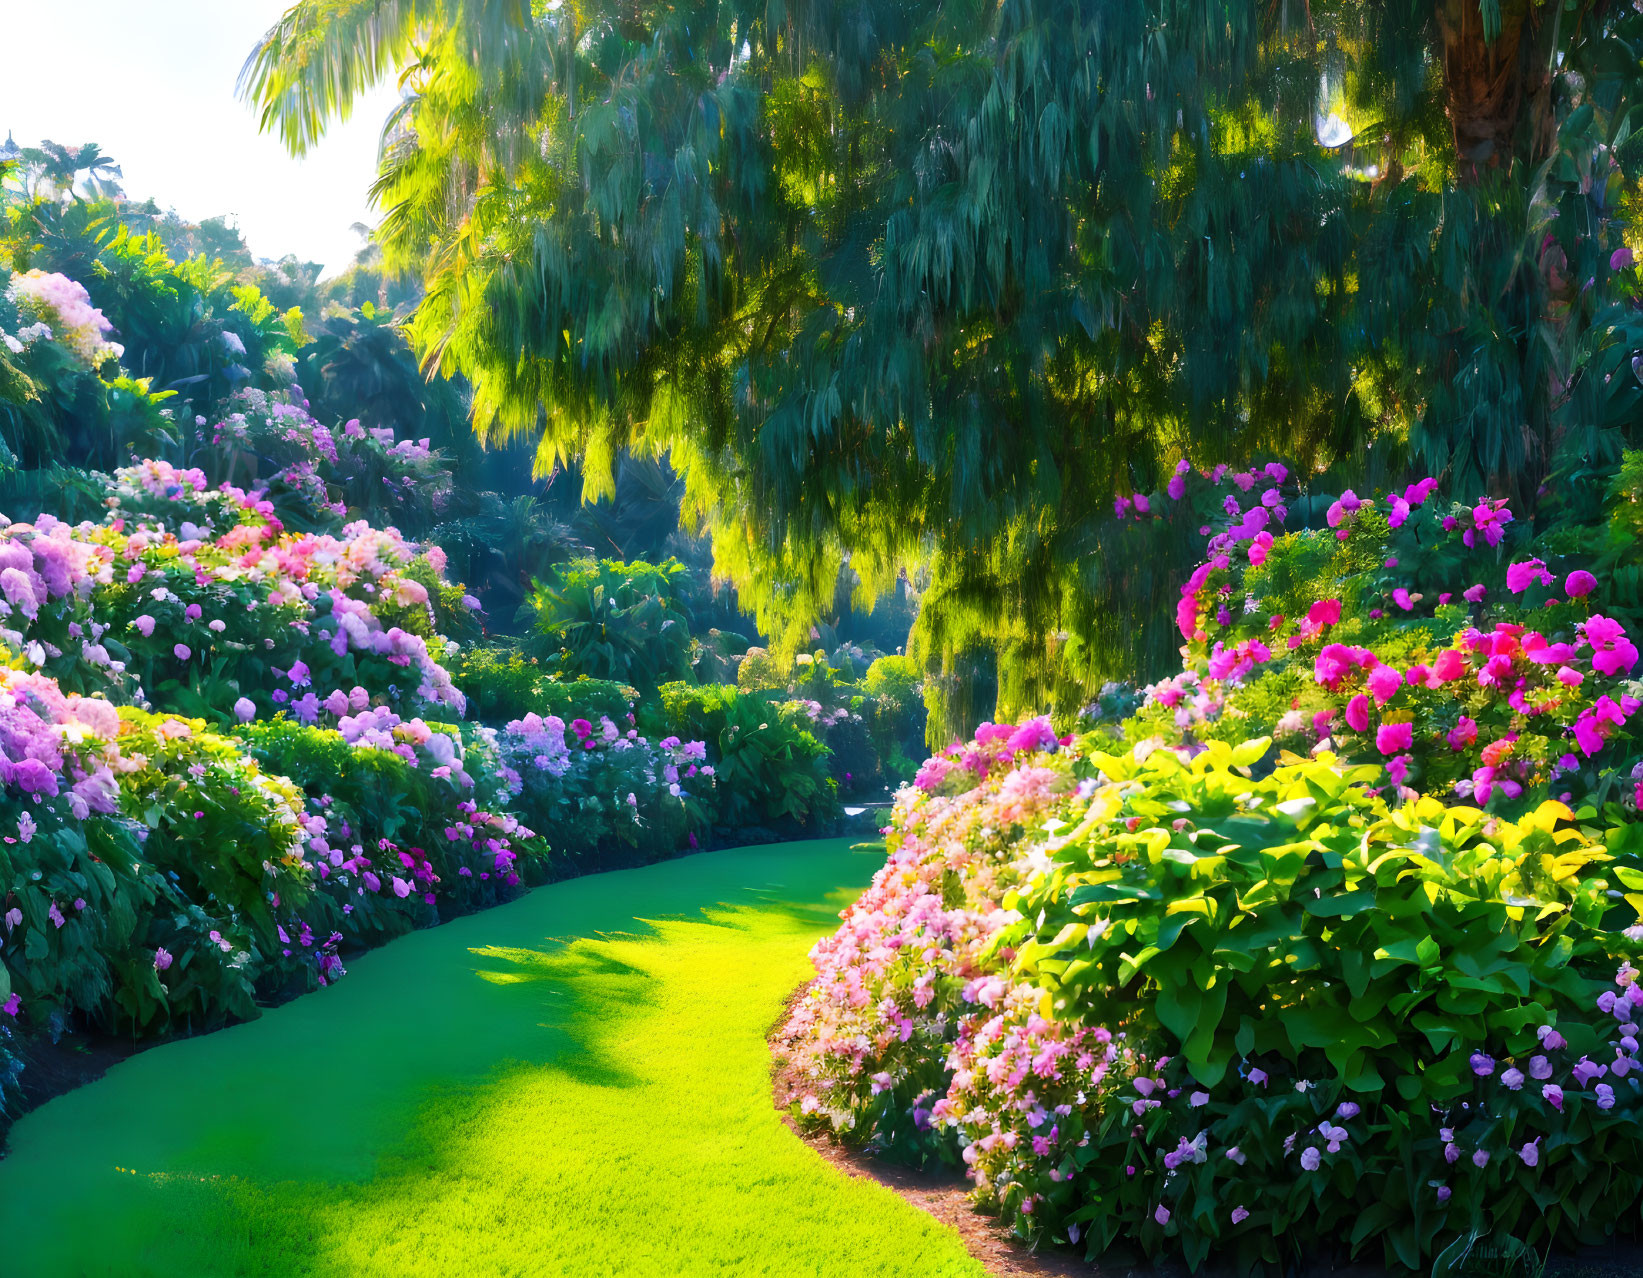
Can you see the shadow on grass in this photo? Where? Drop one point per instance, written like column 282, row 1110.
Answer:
column 484, row 1099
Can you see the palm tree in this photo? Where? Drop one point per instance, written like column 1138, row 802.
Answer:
column 53, row 169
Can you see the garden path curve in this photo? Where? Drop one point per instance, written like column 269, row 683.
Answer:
column 479, row 1100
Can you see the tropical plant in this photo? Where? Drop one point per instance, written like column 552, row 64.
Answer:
column 1179, row 1003
column 617, row 621
column 770, row 768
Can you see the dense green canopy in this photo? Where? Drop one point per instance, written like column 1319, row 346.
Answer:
column 926, row 284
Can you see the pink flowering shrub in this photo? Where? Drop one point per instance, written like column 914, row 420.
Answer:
column 56, row 308
column 1184, row 999
column 869, row 1041
column 196, row 624
column 1409, row 632
column 156, row 494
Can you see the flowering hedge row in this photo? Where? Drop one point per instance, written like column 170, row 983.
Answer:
column 1430, row 636
column 1202, row 1009
column 228, row 756
column 1325, row 943
column 232, row 749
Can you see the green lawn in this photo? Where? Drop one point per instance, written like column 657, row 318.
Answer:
column 479, row 1100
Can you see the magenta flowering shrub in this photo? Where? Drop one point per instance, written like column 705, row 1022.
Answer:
column 1407, row 632
column 154, row 493
column 1165, row 999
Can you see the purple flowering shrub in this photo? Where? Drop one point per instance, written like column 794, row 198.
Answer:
column 1172, row 1001
column 317, row 477
column 161, row 872
column 53, row 308
column 72, row 883
column 404, row 822
column 598, row 785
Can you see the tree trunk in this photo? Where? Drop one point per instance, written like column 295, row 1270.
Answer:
column 1484, row 80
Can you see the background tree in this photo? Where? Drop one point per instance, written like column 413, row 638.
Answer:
column 930, row 283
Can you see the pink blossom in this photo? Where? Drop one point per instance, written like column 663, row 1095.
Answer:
column 1394, row 738
column 1520, row 576
column 1463, row 734
column 1384, row 683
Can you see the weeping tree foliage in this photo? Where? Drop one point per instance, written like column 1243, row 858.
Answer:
column 903, row 283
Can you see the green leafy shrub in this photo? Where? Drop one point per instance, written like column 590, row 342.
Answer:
column 611, row 620
column 769, row 768
column 760, row 672
column 227, row 838
column 499, row 681
column 1215, row 1006
column 896, row 715
column 503, row 683
column 584, row 697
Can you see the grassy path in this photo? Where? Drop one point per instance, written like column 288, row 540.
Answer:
column 477, row 1101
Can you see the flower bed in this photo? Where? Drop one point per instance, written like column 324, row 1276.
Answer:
column 228, row 762
column 1325, row 943
column 1422, row 634
column 1199, row 1009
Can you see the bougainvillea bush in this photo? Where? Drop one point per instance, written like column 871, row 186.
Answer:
column 1213, row 1005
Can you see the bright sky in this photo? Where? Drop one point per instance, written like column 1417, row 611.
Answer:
column 153, row 85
